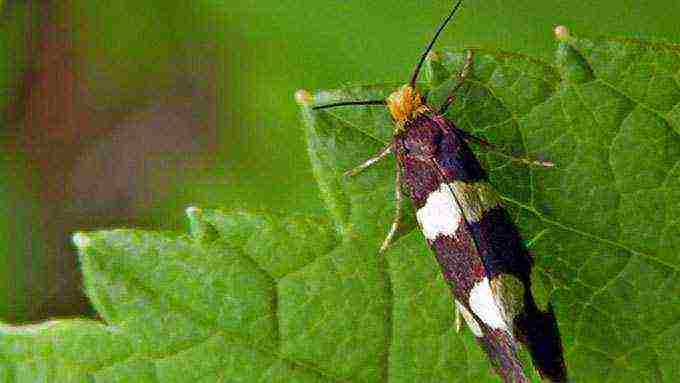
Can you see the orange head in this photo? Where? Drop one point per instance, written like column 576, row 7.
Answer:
column 405, row 104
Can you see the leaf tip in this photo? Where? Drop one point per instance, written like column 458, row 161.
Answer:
column 570, row 61
column 561, row 33
column 435, row 71
column 303, row 97
column 434, row 56
column 200, row 229
column 81, row 240
column 193, row 212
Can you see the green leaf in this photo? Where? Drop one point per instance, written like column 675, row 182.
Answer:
column 178, row 308
column 260, row 298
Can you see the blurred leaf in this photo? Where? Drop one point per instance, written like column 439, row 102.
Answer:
column 18, row 22
column 268, row 298
column 134, row 52
column 23, row 273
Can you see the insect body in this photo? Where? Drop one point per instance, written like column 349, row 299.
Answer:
column 475, row 242
column 478, row 247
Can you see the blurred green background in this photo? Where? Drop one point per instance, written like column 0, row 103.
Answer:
column 124, row 113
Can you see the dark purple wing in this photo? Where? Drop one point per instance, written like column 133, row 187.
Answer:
column 478, row 248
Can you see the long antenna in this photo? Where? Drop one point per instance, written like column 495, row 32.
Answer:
column 367, row 102
column 429, row 47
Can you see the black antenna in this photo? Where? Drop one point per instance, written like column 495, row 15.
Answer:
column 429, row 47
column 367, row 102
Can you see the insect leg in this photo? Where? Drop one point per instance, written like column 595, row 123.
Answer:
column 530, row 243
column 461, row 80
column 457, row 317
column 377, row 157
column 489, row 146
column 399, row 201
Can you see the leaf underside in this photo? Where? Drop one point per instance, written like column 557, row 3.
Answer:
column 259, row 298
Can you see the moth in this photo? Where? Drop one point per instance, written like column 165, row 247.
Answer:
column 475, row 242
